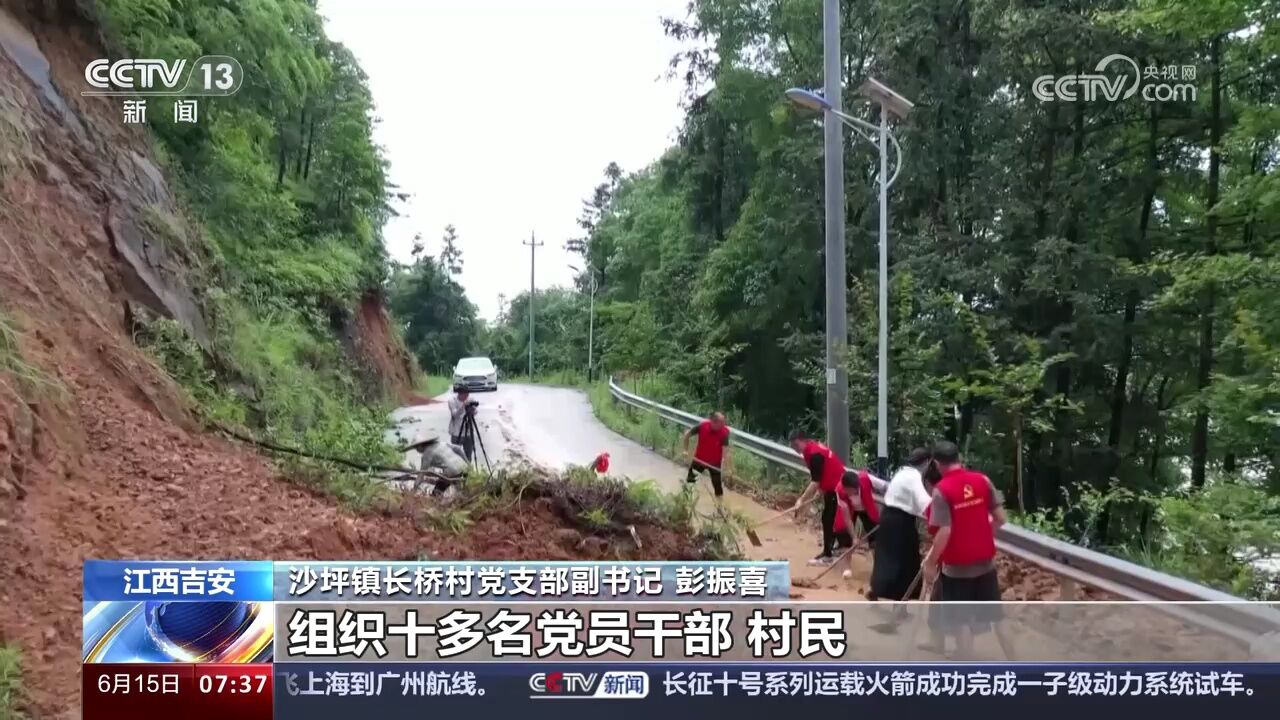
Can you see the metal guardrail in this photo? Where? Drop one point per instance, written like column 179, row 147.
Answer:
column 1214, row 610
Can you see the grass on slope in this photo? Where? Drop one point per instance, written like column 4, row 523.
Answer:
column 748, row 474
column 10, row 682
column 434, row 385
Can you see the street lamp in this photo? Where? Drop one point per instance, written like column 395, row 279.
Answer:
column 591, row 322
column 891, row 103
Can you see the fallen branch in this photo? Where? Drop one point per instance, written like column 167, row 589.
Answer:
column 367, row 467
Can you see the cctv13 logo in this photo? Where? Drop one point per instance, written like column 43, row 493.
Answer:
column 612, row 685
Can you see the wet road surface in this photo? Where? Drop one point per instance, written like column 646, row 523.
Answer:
column 548, row 426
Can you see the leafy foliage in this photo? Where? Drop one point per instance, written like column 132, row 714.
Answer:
column 439, row 322
column 289, row 191
column 1083, row 294
column 11, row 687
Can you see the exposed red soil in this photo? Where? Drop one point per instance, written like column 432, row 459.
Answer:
column 99, row 457
column 387, row 366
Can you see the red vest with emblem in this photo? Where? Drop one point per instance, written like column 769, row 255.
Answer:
column 710, row 448
column 832, row 467
column 968, row 494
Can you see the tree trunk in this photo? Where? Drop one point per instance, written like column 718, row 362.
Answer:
column 1137, row 251
column 302, row 132
column 1064, row 427
column 282, row 160
column 1204, row 360
column 1157, row 433
column 1017, row 462
column 311, row 138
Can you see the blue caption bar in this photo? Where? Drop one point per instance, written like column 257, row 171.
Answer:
column 143, row 580
column 508, row 582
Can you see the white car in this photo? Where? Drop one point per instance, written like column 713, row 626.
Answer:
column 476, row 373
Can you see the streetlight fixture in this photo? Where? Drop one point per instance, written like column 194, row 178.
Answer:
column 591, row 322
column 891, row 103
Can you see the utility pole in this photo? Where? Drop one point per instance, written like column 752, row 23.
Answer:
column 591, row 325
column 837, row 320
column 882, row 389
column 533, row 247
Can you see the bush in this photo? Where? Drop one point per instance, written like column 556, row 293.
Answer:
column 1224, row 536
column 11, row 688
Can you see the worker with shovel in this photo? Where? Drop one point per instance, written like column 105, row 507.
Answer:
column 857, row 490
column 967, row 510
column 826, row 470
column 712, row 452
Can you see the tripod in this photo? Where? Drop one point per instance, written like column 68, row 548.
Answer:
column 470, row 436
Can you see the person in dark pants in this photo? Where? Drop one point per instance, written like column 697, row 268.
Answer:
column 967, row 510
column 897, row 554
column 858, row 491
column 711, row 453
column 826, row 470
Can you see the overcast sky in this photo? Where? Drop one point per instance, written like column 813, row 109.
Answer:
column 499, row 116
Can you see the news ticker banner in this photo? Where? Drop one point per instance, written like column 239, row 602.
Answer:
column 223, row 634
column 400, row 691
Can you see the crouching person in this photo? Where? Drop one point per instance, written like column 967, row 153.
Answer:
column 443, row 459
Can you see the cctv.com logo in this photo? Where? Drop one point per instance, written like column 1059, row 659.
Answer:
column 615, row 685
column 1123, row 85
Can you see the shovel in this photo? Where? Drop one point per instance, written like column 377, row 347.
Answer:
column 751, row 533
column 750, row 529
column 891, row 628
column 856, row 544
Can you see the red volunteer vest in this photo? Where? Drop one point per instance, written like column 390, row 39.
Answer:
column 972, row 538
column 928, row 513
column 842, row 499
column 867, row 496
column 710, row 448
column 832, row 467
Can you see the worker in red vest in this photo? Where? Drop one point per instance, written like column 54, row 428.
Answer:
column 857, row 491
column 860, row 488
column 826, row 470
column 712, row 451
column 967, row 510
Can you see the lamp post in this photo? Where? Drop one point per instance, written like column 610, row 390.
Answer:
column 891, row 103
column 591, row 322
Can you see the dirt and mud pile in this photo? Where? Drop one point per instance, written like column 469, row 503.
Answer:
column 99, row 457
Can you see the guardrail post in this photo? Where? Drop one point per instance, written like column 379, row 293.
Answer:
column 1068, row 589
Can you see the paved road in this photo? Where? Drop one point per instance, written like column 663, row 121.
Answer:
column 555, row 427
column 547, row 426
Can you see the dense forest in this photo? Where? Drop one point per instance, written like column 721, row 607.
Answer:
column 289, row 193
column 1085, row 295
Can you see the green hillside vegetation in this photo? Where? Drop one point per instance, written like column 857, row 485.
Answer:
column 1083, row 294
column 290, row 194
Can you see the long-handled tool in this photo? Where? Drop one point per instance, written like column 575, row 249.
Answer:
column 900, row 606
column 750, row 531
column 844, row 555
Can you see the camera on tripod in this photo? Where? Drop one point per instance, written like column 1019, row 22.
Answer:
column 473, row 404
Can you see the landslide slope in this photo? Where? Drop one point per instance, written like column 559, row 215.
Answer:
column 100, row 454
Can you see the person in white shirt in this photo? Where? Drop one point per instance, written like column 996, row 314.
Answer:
column 897, row 553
